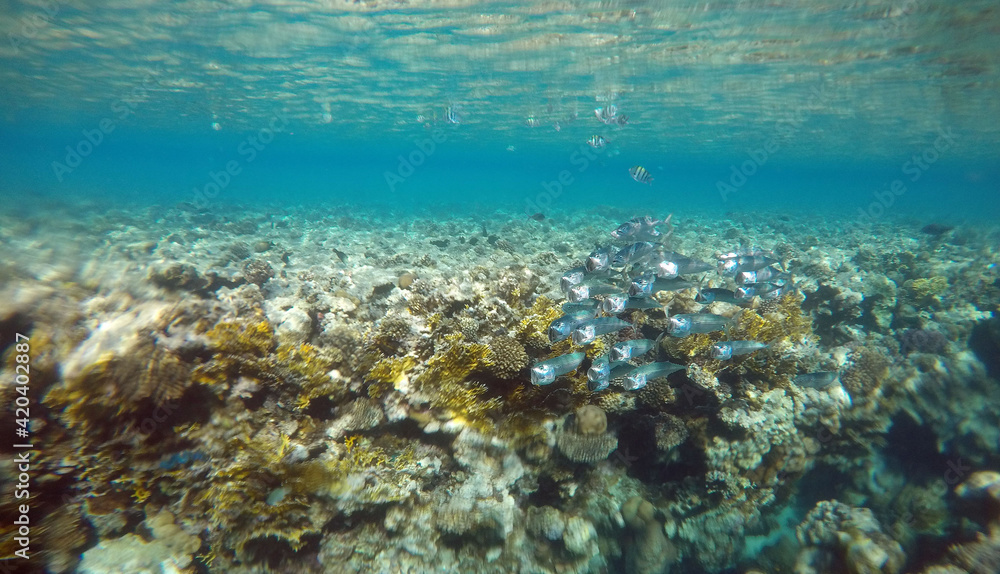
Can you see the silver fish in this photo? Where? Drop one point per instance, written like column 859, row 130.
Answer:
column 614, row 303
column 648, row 284
column 694, row 323
column 545, row 372
column 743, row 263
column 599, row 374
column 767, row 274
column 588, row 331
column 762, row 290
column 706, row 296
column 672, row 264
column 560, row 329
column 644, row 226
column 632, row 254
column 592, row 305
column 599, row 259
column 572, row 277
column 726, row 350
column 625, row 350
column 638, row 378
column 588, row 289
column 752, row 251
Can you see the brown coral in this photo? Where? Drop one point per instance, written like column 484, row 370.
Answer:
column 584, row 438
column 506, row 358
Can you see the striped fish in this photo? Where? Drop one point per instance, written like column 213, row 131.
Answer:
column 640, row 174
column 607, row 115
column 597, row 142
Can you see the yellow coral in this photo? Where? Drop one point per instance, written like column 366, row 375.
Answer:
column 533, row 330
column 241, row 349
column 387, row 373
column 310, row 367
column 444, row 382
column 926, row 289
column 233, row 338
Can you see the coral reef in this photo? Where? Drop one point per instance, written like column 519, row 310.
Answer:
column 325, row 393
column 583, row 438
column 649, row 551
column 839, row 537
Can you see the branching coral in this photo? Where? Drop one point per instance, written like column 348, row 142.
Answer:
column 445, row 382
column 533, row 330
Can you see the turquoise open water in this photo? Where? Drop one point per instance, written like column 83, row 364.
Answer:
column 820, row 105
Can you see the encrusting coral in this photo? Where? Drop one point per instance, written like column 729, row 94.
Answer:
column 585, row 438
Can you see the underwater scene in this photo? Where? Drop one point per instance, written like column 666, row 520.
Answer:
column 534, row 287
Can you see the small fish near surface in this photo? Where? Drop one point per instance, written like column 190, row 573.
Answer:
column 640, row 174
column 452, row 115
column 597, row 142
column 725, row 350
column 607, row 114
column 545, row 372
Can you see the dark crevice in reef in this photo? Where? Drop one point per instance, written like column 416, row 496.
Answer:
column 10, row 328
column 822, row 482
column 914, row 447
column 274, row 551
column 985, row 343
column 547, row 493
